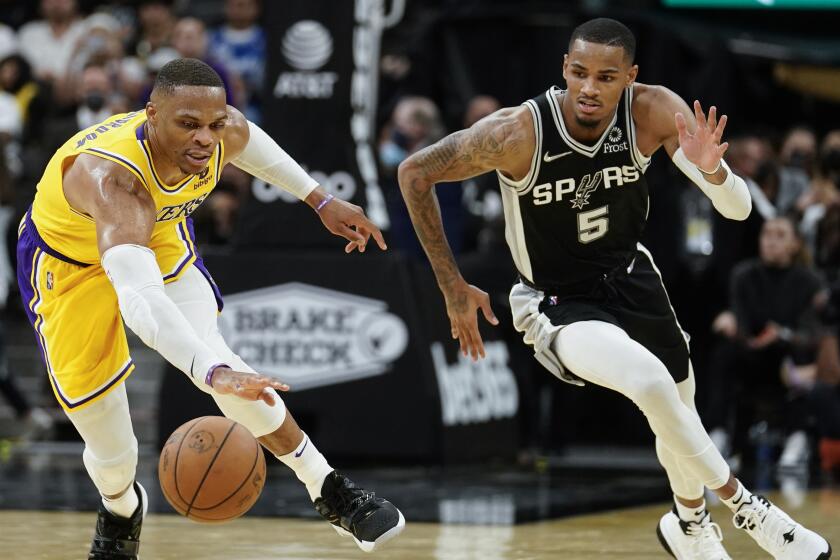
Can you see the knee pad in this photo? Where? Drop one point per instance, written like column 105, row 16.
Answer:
column 113, row 475
column 259, row 418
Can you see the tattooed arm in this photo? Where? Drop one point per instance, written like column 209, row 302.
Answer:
column 503, row 141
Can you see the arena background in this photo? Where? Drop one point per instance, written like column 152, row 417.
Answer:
column 351, row 87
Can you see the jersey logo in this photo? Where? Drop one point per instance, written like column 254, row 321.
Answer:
column 547, row 158
column 614, row 143
column 587, row 186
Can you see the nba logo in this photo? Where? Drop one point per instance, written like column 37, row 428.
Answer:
column 49, row 280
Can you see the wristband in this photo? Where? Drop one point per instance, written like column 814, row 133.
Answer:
column 323, row 203
column 208, row 379
column 711, row 172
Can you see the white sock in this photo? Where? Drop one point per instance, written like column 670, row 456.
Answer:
column 690, row 514
column 740, row 497
column 123, row 506
column 309, row 465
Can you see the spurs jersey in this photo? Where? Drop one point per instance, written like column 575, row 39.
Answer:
column 581, row 209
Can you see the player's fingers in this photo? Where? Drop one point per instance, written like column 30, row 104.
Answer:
column 698, row 115
column 712, row 117
column 350, row 247
column 722, row 148
column 377, row 236
column 682, row 130
column 350, row 234
column 487, row 311
column 267, row 397
column 720, row 126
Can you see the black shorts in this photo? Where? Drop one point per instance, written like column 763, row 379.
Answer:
column 635, row 301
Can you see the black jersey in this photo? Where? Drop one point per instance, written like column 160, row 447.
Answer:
column 581, row 210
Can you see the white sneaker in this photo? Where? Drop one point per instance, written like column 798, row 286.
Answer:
column 777, row 533
column 689, row 540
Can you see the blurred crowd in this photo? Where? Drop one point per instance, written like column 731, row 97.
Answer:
column 769, row 375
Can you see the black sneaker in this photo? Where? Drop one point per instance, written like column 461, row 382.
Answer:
column 118, row 538
column 352, row 511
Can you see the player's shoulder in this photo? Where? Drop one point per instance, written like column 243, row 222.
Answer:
column 651, row 99
column 88, row 166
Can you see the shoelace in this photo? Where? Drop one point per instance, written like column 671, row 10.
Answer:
column 768, row 524
column 350, row 497
column 707, row 544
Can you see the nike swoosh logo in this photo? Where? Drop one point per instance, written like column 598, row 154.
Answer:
column 547, row 158
column 299, row 453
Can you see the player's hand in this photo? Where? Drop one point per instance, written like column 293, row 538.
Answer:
column 703, row 148
column 726, row 324
column 248, row 386
column 349, row 221
column 462, row 304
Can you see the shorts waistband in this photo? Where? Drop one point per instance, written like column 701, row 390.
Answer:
column 587, row 286
column 39, row 241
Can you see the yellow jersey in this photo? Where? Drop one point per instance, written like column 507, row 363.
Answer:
column 122, row 139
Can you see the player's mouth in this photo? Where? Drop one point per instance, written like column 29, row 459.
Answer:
column 198, row 158
column 588, row 107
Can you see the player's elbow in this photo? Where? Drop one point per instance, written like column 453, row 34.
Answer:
column 409, row 175
column 739, row 212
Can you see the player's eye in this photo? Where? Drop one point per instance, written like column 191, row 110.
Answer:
column 607, row 78
column 188, row 124
column 579, row 74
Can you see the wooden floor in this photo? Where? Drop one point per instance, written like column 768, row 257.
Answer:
column 627, row 534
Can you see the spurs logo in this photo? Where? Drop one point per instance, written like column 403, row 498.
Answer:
column 588, row 184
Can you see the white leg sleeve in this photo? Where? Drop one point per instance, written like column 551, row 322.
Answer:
column 683, row 483
column 194, row 297
column 604, row 354
column 110, row 454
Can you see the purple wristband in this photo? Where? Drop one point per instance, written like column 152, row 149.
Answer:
column 208, row 379
column 324, row 202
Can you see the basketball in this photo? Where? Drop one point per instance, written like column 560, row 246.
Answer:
column 211, row 469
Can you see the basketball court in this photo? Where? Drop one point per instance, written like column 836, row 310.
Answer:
column 626, row 533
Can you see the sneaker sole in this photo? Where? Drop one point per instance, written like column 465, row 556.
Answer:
column 367, row 546
column 827, row 554
column 663, row 541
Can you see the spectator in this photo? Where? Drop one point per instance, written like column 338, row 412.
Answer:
column 94, row 100
column 772, row 326
column 820, row 201
column 240, row 45
column 157, row 20
column 8, row 41
column 415, row 123
column 189, row 38
column 48, row 44
column 32, row 96
column 799, row 149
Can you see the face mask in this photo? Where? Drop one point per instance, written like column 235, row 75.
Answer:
column 391, row 155
column 94, row 101
column 800, row 159
column 830, row 161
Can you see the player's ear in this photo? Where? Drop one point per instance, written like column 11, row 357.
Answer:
column 151, row 112
column 631, row 75
column 565, row 64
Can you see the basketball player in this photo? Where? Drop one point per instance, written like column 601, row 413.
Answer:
column 590, row 300
column 108, row 239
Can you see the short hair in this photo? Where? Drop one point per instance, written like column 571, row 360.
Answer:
column 186, row 72
column 606, row 31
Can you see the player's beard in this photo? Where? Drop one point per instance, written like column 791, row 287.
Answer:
column 587, row 123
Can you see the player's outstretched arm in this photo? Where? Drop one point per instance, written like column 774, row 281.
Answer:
column 499, row 141
column 694, row 143
column 124, row 213
column 249, row 148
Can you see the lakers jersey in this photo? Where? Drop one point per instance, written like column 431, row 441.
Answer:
column 581, row 209
column 121, row 139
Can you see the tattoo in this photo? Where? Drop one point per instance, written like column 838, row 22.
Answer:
column 485, row 146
